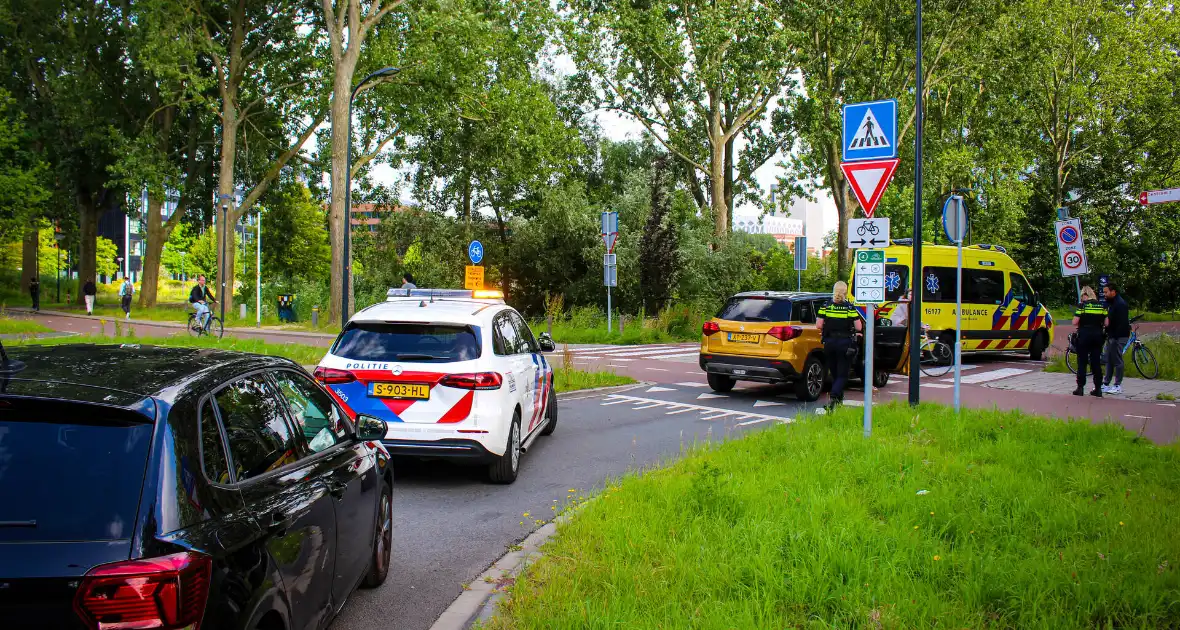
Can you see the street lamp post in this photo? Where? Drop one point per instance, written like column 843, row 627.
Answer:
column 916, row 267
column 346, row 280
column 58, row 236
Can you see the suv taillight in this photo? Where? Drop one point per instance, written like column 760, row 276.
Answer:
column 710, row 328
column 481, row 381
column 332, row 376
column 785, row 333
column 167, row 593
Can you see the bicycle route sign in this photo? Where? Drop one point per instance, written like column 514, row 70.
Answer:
column 869, row 276
column 868, row 233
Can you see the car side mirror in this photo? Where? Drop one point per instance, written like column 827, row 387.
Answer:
column 546, row 342
column 370, row 428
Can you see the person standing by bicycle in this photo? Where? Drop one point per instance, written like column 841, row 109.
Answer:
column 837, row 322
column 1090, row 319
column 1118, row 333
column 200, row 298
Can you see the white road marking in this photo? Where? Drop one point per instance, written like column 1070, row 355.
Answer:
column 676, row 408
column 672, row 356
column 766, row 403
column 708, row 396
column 657, row 388
column 855, row 403
column 657, row 369
column 647, row 406
column 993, row 375
column 1127, row 415
column 934, row 386
column 749, row 422
column 621, row 360
column 1167, row 405
column 633, row 351
column 686, row 384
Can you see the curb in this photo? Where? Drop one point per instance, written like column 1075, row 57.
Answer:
column 579, row 394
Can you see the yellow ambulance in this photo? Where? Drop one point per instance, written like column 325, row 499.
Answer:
column 1001, row 312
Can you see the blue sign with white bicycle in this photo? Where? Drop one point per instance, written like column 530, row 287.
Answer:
column 475, row 252
column 870, row 131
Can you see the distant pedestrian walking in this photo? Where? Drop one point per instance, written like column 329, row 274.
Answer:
column 408, row 281
column 35, row 292
column 1118, row 333
column 1089, row 318
column 88, row 293
column 126, row 292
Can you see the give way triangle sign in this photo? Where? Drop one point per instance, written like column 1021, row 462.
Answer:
column 869, row 180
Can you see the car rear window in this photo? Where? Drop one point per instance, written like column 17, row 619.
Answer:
column 70, row 472
column 427, row 343
column 756, row 309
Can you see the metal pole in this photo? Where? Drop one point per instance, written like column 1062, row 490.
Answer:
column 59, row 272
column 870, row 316
column 127, row 245
column 258, row 276
column 608, row 313
column 1077, row 283
column 221, row 267
column 958, row 320
column 799, row 281
column 916, row 267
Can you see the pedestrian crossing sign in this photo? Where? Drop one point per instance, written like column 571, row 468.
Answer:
column 870, row 131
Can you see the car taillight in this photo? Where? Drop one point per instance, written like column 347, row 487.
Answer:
column 332, row 376
column 710, row 328
column 482, row 380
column 168, row 593
column 785, row 333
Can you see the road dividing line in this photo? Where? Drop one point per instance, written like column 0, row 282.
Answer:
column 1127, row 415
column 993, row 375
column 749, row 422
column 672, row 356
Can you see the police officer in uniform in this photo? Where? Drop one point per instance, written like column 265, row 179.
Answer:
column 1090, row 318
column 837, row 323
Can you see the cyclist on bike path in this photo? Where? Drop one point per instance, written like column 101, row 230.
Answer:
column 1118, row 333
column 199, row 298
column 1090, row 318
column 838, row 321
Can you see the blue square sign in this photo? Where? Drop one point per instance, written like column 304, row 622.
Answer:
column 870, row 131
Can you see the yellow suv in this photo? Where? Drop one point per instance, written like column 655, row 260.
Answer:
column 766, row 337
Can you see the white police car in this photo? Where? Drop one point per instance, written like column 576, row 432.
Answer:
column 456, row 374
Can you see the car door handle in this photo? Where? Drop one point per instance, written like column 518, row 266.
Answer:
column 279, row 522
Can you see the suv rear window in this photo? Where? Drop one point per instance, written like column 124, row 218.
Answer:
column 427, row 343
column 70, row 471
column 756, row 309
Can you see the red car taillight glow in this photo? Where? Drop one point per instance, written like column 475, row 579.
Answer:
column 785, row 333
column 168, row 593
column 332, row 376
column 480, row 381
column 710, row 328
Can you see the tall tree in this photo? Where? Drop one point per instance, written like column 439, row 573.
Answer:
column 699, row 76
column 660, row 242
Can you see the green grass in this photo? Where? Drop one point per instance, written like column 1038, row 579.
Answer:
column 987, row 520
column 633, row 334
column 302, row 354
column 177, row 312
column 570, row 379
column 1164, row 396
column 1165, row 347
column 20, row 326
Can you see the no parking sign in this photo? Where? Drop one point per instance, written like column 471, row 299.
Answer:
column 1071, row 252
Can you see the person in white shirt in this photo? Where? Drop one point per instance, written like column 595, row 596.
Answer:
column 900, row 315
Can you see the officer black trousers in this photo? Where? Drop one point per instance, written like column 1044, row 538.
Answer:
column 838, row 362
column 1089, row 345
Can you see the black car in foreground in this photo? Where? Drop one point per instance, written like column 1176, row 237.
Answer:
column 145, row 487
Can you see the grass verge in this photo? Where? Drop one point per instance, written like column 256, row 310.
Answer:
column 302, row 354
column 985, row 520
column 571, row 379
column 633, row 334
column 19, row 326
column 1165, row 348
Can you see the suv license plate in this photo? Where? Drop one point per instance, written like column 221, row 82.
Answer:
column 400, row 390
column 745, row 337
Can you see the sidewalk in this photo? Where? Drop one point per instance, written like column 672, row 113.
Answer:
column 1065, row 382
column 268, row 330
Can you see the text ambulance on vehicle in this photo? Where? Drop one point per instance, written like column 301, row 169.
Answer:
column 1001, row 312
column 457, row 375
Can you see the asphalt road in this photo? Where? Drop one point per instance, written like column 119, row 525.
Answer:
column 450, row 525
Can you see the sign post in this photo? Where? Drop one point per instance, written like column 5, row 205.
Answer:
column 800, row 260
column 870, row 291
column 610, row 278
column 473, row 276
column 1159, row 196
column 954, row 224
column 1071, row 252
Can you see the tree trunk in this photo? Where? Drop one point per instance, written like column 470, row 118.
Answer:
column 156, row 235
column 29, row 252
column 717, row 191
column 504, row 247
column 337, row 222
column 729, row 180
column 225, row 191
column 838, row 185
column 88, row 247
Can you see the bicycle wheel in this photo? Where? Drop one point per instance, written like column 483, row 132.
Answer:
column 1071, row 361
column 193, row 329
column 215, row 327
column 1145, row 361
column 937, row 359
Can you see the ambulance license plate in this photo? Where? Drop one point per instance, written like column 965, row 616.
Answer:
column 745, row 338
column 400, row 390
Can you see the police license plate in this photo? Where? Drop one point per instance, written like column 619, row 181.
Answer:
column 745, row 338
column 400, row 390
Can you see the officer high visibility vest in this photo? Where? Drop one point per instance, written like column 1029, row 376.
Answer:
column 839, row 318
column 1091, row 314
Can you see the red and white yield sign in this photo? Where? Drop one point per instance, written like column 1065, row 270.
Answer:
column 869, row 180
column 1159, row 196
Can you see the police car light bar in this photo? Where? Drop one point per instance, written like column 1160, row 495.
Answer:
column 443, row 294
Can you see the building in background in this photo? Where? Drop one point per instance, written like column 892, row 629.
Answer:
column 803, row 218
column 367, row 216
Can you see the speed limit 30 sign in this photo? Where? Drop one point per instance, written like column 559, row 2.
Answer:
column 1070, row 250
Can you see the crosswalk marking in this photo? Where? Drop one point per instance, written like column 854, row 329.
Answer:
column 708, row 396
column 993, row 375
column 710, row 413
column 691, row 384
column 678, row 355
column 657, row 388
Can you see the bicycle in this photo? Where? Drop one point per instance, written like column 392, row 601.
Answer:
column 213, row 326
column 1141, row 355
column 870, row 228
column 936, row 358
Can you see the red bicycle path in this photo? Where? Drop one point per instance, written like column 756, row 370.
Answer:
column 1158, row 422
